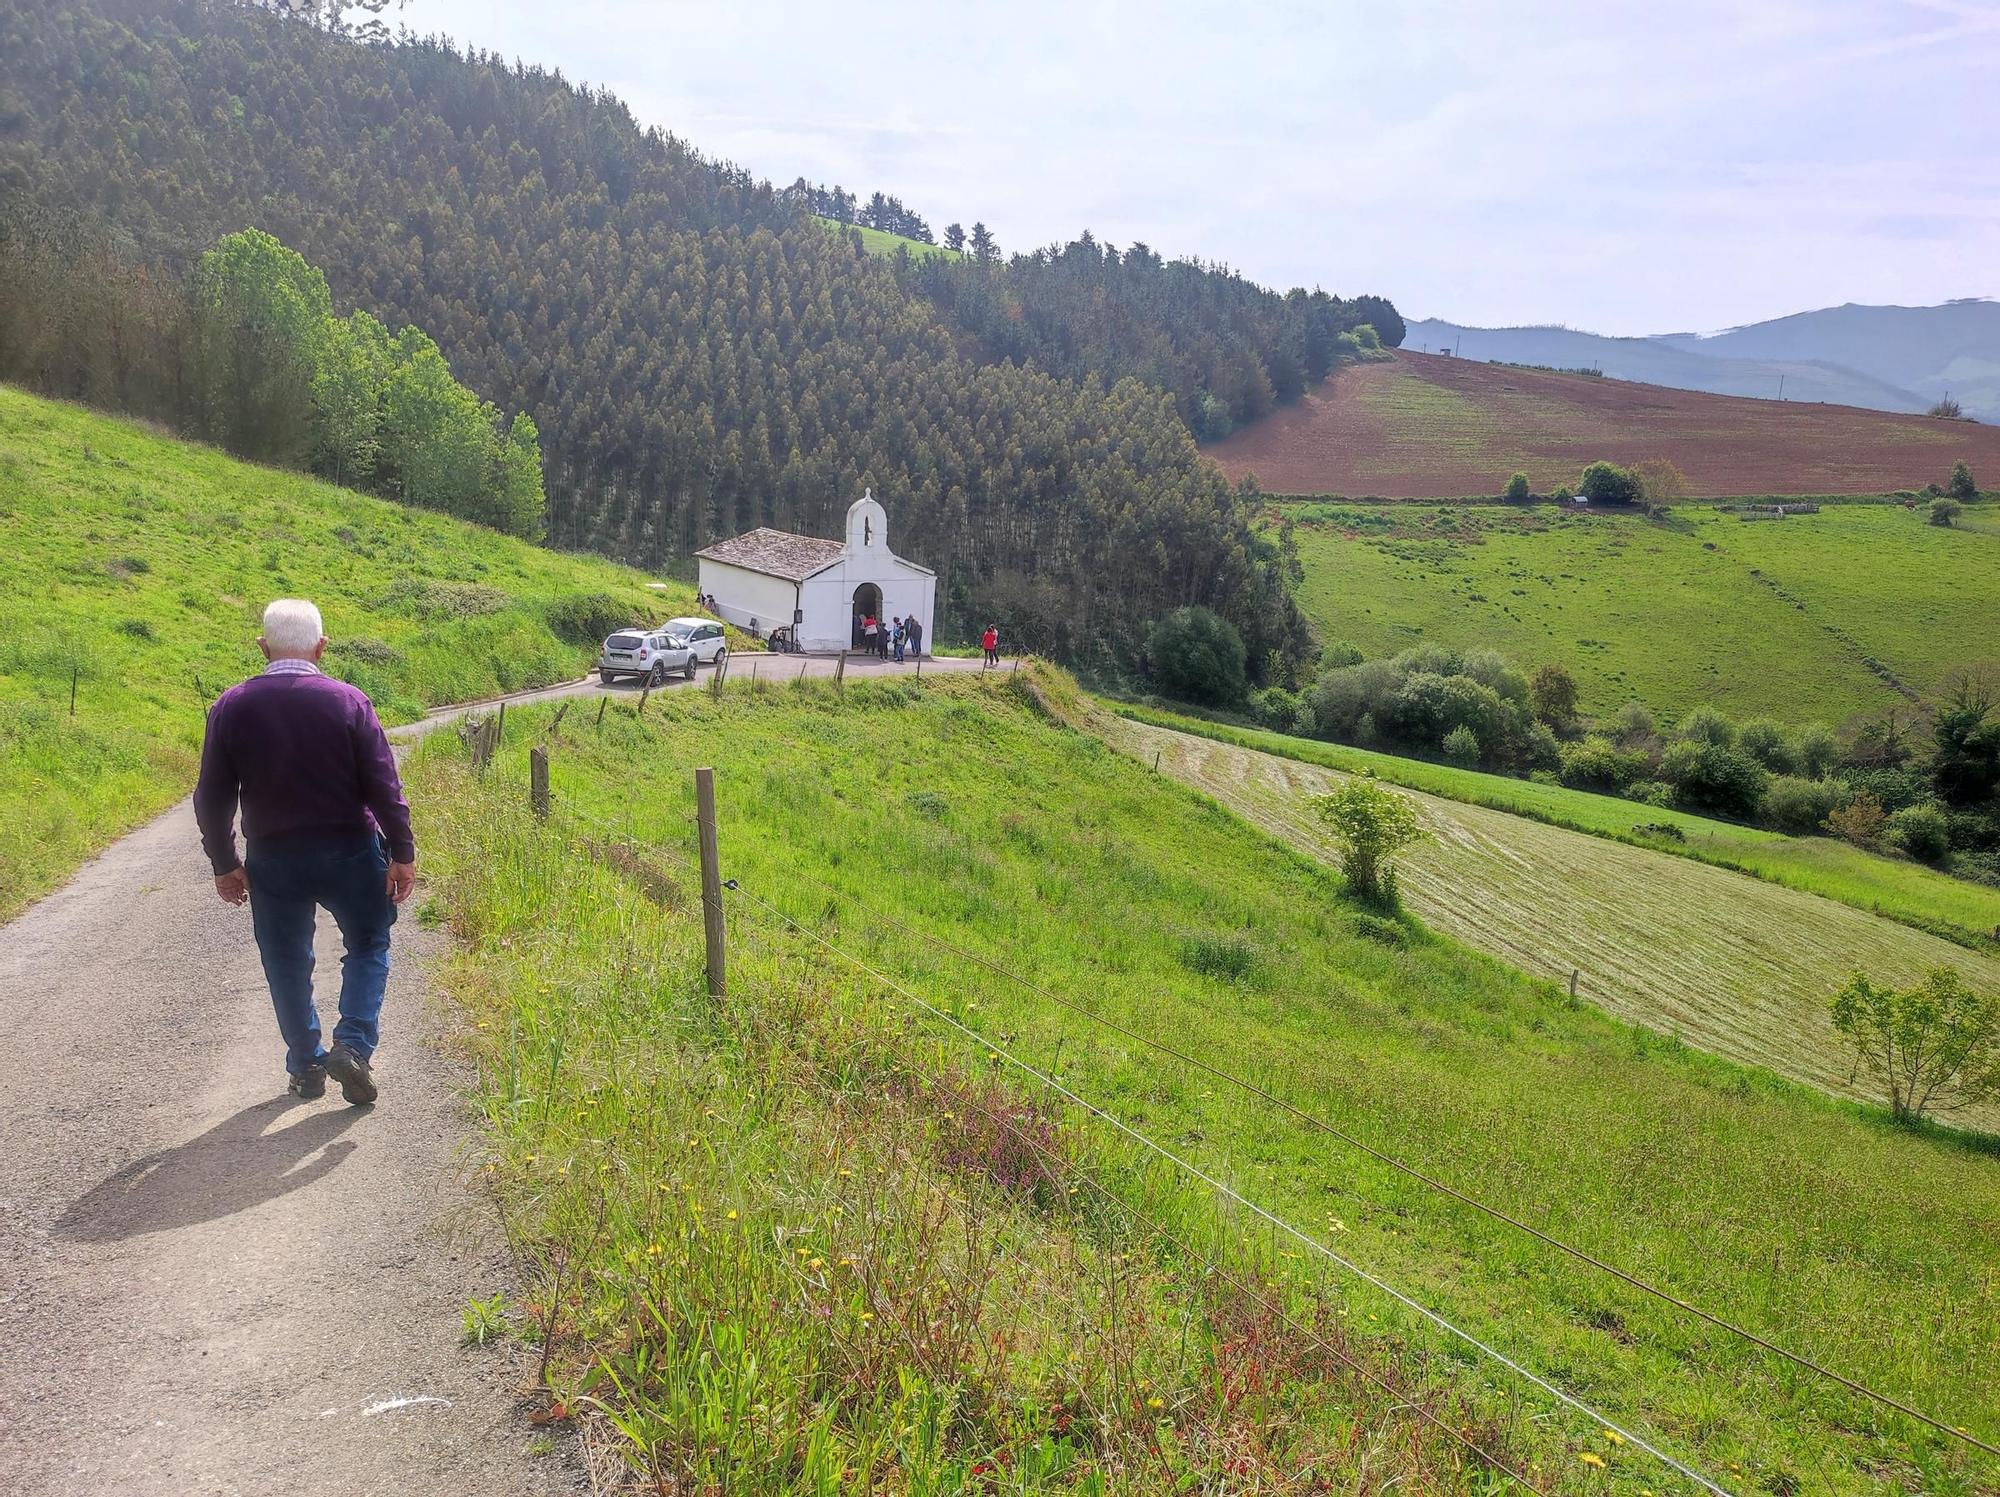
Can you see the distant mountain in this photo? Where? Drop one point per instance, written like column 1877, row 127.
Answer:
column 1879, row 358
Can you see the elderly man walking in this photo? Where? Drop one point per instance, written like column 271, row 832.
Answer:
column 324, row 824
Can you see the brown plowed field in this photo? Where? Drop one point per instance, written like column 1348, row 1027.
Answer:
column 1428, row 426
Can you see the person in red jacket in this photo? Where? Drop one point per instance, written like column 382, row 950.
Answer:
column 990, row 643
column 304, row 759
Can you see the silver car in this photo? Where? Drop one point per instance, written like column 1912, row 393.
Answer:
column 649, row 655
column 705, row 635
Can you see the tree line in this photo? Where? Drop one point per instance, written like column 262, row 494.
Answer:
column 246, row 352
column 701, row 355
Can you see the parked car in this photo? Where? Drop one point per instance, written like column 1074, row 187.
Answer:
column 705, row 635
column 649, row 655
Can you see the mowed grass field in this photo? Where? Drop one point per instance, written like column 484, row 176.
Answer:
column 1813, row 617
column 995, row 828
column 138, row 567
column 1731, row 964
column 1427, row 426
column 1898, row 889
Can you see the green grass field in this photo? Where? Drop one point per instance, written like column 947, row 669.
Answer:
column 1813, row 617
column 727, row 1205
column 1896, row 888
column 143, row 564
column 879, row 242
column 1732, row 965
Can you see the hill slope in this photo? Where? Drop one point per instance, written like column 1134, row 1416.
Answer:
column 1038, row 849
column 143, row 565
column 1428, row 426
column 1816, row 617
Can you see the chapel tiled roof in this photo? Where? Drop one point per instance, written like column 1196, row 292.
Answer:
column 776, row 553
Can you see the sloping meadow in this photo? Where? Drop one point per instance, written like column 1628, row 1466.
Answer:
column 828, row 1235
column 134, row 570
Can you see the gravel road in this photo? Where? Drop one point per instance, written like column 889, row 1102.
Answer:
column 208, row 1288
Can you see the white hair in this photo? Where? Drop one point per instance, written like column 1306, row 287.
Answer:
column 292, row 627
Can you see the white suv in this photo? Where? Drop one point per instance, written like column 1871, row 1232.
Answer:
column 651, row 656
column 704, row 637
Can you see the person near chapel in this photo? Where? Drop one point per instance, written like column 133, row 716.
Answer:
column 913, row 636
column 304, row 759
column 869, row 628
column 897, row 637
column 990, row 643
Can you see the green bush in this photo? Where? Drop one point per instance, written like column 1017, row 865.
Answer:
column 1197, row 655
column 1607, row 483
column 1767, row 743
column 1599, row 764
column 1276, row 708
column 1944, row 511
column 1372, row 825
column 1706, row 725
column 1962, row 486
column 1461, row 746
column 1224, row 958
column 1517, row 488
column 1801, row 806
column 1707, row 776
column 1923, row 831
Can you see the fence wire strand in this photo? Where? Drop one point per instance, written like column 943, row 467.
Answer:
column 1276, row 1222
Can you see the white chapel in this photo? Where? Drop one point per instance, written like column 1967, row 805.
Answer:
column 766, row 578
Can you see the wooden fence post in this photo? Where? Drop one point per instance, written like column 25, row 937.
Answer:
column 1572, row 984
column 840, row 672
column 500, row 726
column 555, row 723
column 538, row 782
column 602, row 703
column 72, row 690
column 644, row 692
column 711, row 882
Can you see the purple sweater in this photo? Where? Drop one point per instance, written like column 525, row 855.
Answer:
column 307, row 758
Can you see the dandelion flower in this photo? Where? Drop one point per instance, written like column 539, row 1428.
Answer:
column 653, row 1250
column 815, row 1263
column 732, row 1216
column 866, row 1317
column 1156, row 1403
column 1590, row 1458
column 1614, row 1437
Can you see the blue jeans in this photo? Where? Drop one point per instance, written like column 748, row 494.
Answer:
column 351, row 880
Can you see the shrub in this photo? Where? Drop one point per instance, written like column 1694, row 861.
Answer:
column 1706, row 725
column 1634, row 726
column 1563, row 494
column 1651, row 793
column 1801, row 806
column 1553, row 692
column 1276, row 708
column 1371, row 825
column 1712, row 777
column 1923, row 831
column 1947, row 409
column 1660, row 482
column 1461, row 747
column 1665, row 831
column 586, row 618
column 1815, row 751
column 1962, row 485
column 1197, row 655
column 137, row 629
column 1944, row 511
column 1340, row 654
column 365, row 651
column 1599, row 764
column 1517, row 488
column 1861, row 821
column 1607, row 483
column 1764, row 741
column 1931, row 1047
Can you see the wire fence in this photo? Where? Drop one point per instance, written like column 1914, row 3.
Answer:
column 1055, row 1085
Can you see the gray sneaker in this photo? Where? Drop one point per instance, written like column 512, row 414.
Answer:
column 351, row 1071
column 309, row 1084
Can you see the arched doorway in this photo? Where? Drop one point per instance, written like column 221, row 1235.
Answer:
column 867, row 602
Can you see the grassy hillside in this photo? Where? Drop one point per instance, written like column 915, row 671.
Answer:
column 1735, row 966
column 141, row 566
column 1426, row 426
column 1810, row 617
column 877, row 242
column 799, row 1178
column 1962, row 912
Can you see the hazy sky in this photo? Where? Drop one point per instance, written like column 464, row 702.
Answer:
column 1620, row 167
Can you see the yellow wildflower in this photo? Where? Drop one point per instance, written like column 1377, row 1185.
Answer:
column 1590, row 1458
column 1156, row 1403
column 732, row 1216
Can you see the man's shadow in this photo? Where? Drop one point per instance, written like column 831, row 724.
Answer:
column 230, row 1168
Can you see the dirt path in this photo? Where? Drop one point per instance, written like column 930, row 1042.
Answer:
column 209, row 1288
column 1733, row 965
